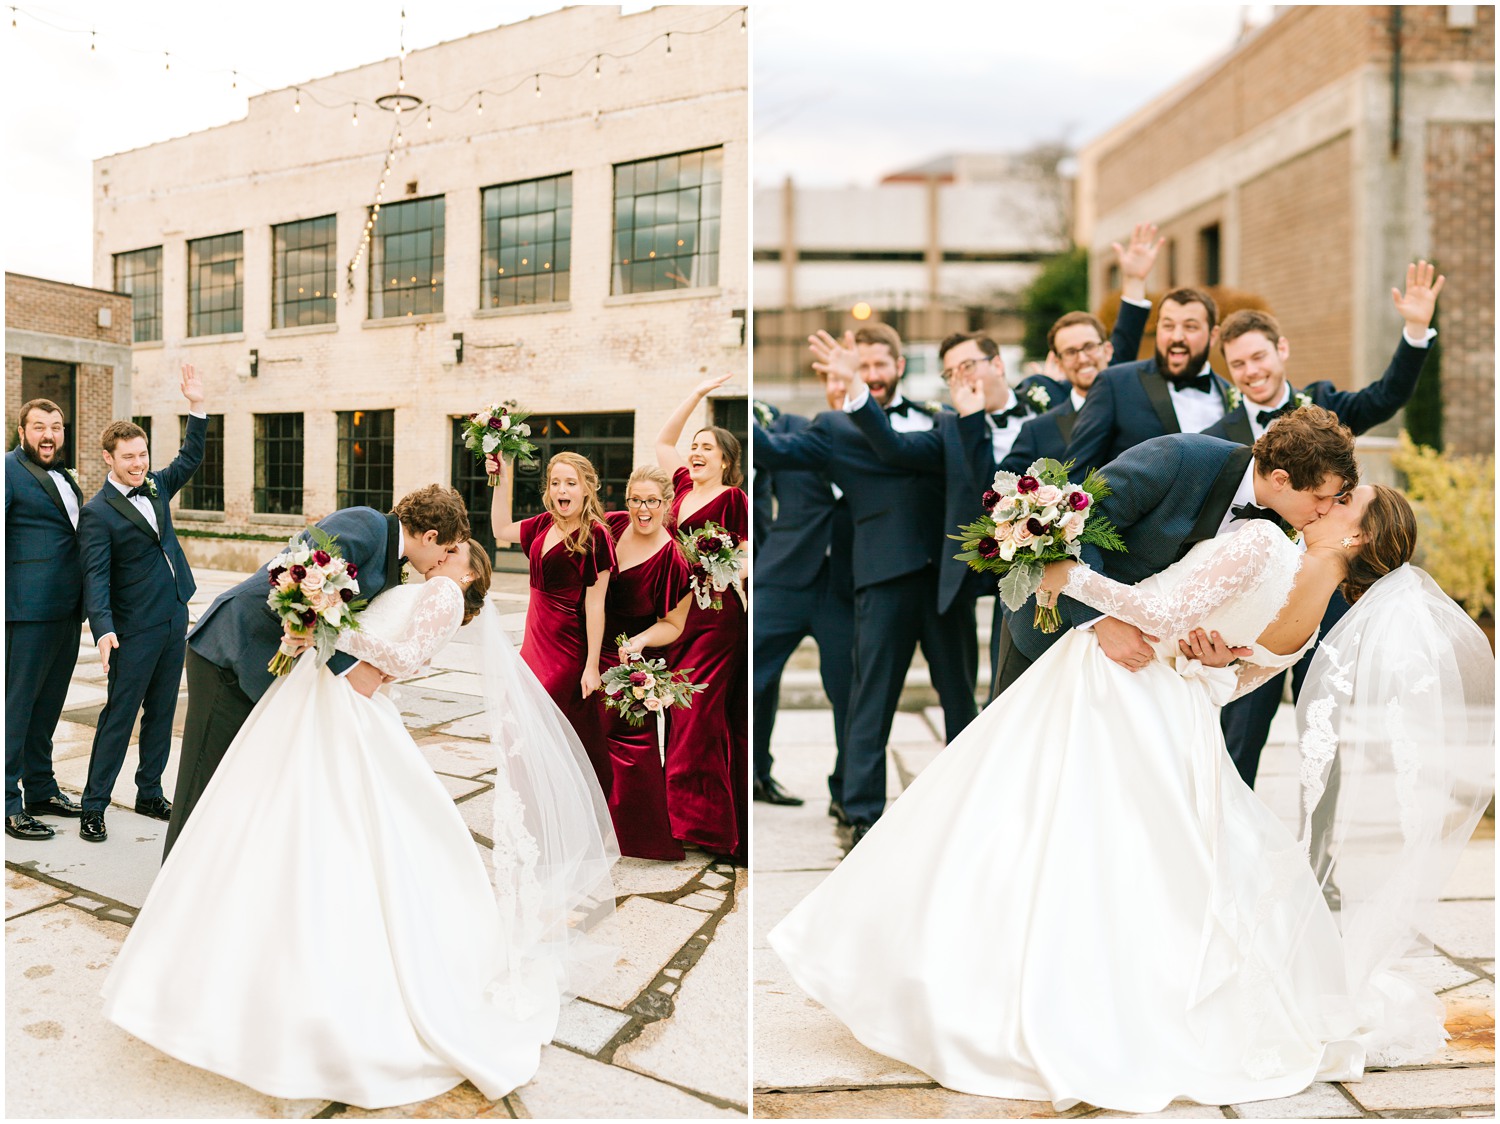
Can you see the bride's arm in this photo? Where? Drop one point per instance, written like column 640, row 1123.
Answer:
column 1226, row 572
column 433, row 622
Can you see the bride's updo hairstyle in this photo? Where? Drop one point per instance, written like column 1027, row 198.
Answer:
column 1388, row 538
column 478, row 589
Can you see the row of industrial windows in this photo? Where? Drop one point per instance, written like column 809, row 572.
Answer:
column 666, row 236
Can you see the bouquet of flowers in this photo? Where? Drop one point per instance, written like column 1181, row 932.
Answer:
column 642, row 687
column 498, row 432
column 715, row 562
column 313, row 590
column 1032, row 520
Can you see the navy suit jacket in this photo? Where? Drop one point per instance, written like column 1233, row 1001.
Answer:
column 127, row 583
column 810, row 525
column 1128, row 403
column 1167, row 494
column 239, row 631
column 897, row 514
column 43, row 572
column 960, row 451
column 1130, row 325
column 1360, row 410
column 761, row 492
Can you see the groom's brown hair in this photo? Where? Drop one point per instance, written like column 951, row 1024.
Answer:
column 1309, row 445
column 434, row 508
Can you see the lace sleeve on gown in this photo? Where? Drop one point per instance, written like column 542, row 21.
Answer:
column 434, row 620
column 1254, row 669
column 1235, row 565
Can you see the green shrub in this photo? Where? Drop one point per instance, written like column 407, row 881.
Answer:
column 1454, row 500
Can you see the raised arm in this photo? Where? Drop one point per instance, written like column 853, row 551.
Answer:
column 667, row 456
column 1135, row 260
column 918, row 452
column 1378, row 402
column 806, row 448
column 1094, row 430
column 433, row 622
column 504, row 527
column 190, row 456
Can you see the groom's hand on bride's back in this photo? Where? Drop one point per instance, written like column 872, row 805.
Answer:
column 1210, row 650
column 1127, row 645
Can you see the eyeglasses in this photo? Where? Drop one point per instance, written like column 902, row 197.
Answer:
column 1067, row 355
column 653, row 503
column 964, row 369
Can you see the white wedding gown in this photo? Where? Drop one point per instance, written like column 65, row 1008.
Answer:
column 324, row 927
column 1080, row 900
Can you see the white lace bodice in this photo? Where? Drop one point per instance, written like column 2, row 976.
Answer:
column 404, row 627
column 1234, row 584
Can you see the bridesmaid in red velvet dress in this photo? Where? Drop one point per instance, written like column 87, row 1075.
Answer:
column 708, row 746
column 571, row 558
column 647, row 602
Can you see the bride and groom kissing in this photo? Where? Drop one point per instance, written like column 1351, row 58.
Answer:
column 323, row 925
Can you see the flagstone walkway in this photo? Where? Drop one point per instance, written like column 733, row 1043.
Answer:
column 664, row 1037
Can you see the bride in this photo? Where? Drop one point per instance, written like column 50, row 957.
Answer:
column 328, row 930
column 1080, row 900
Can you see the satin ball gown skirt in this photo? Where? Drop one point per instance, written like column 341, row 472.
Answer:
column 324, row 927
column 1079, row 900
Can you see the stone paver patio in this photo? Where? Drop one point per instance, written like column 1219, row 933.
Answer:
column 808, row 1066
column 664, row 1038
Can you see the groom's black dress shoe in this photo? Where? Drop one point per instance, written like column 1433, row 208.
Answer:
column 836, row 810
column 769, row 792
column 92, row 827
column 22, row 826
column 58, row 805
column 158, row 808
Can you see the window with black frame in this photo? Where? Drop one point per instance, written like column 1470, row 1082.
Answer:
column 527, row 242
column 278, row 464
column 144, row 421
column 667, row 222
column 216, row 285
column 204, row 490
column 139, row 274
column 302, row 273
column 733, row 414
column 406, row 259
column 367, row 459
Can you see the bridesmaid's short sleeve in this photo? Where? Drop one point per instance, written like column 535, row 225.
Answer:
column 601, row 556
column 673, row 581
column 737, row 514
column 619, row 523
column 682, row 483
column 533, row 529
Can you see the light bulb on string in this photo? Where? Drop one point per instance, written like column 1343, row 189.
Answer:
column 297, row 105
column 480, row 112
column 13, row 16
column 234, row 79
column 742, row 21
column 669, row 42
column 168, row 56
column 538, row 85
column 92, row 34
column 429, row 116
column 597, row 60
column 356, row 115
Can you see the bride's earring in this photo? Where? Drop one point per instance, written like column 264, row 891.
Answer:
column 1347, row 541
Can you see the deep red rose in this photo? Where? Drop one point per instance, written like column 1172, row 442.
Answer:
column 276, row 572
column 322, row 557
column 346, row 595
column 637, row 678
column 987, row 547
column 1028, row 484
column 298, row 573
column 309, row 617
column 990, row 500
column 709, row 544
column 495, row 423
column 1078, row 501
column 1036, row 526
column 699, row 572
column 352, row 570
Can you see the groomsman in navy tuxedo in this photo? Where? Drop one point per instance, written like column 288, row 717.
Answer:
column 1256, row 354
column 898, row 540
column 1176, row 391
column 805, row 572
column 137, row 583
column 43, row 615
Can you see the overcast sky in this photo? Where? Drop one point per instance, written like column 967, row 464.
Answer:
column 842, row 98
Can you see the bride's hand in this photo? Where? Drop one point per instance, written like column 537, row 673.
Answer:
column 295, row 642
column 590, row 682
column 1054, row 578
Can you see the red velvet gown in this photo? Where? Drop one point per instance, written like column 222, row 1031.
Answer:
column 556, row 643
column 638, row 597
column 708, row 746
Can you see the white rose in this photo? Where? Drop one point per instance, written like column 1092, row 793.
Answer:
column 1008, row 549
column 504, row 421
column 524, row 430
column 653, row 703
column 482, row 419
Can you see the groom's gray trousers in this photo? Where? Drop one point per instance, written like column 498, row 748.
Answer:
column 217, row 708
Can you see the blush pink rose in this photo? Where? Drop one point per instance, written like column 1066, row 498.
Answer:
column 1021, row 534
column 1047, row 495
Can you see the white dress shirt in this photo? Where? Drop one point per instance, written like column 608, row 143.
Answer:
column 140, row 503
column 1253, row 411
column 913, row 421
column 1077, row 399
column 65, row 490
column 1195, row 410
column 1003, row 438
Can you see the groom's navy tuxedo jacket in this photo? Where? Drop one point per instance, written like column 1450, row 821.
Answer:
column 239, row 631
column 43, row 573
column 1360, row 410
column 135, row 577
column 1128, row 403
column 1167, row 494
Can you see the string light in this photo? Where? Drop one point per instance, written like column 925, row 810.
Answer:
column 356, row 115
column 538, row 85
column 429, row 116
column 13, row 15
column 669, row 42
column 742, row 21
column 168, row 55
column 297, row 105
column 597, row 60
column 234, row 79
column 481, row 104
column 93, row 33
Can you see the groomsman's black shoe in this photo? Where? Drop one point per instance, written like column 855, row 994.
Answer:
column 92, row 827
column 836, row 810
column 58, row 805
column 769, row 792
column 22, row 826
column 857, row 832
column 158, row 808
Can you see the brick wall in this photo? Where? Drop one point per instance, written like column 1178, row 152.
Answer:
column 33, row 304
column 1296, row 246
column 1426, row 36
column 1460, row 173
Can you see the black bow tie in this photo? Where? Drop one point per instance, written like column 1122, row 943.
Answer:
column 1266, row 417
column 902, row 407
column 1001, row 418
column 143, row 490
column 1251, row 511
column 1204, row 383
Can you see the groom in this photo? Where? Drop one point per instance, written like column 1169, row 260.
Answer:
column 1179, row 489
column 238, row 634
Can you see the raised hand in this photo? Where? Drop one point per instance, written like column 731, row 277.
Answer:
column 713, row 382
column 192, row 387
column 1419, row 302
column 966, row 392
column 1139, row 256
column 837, row 359
column 494, row 465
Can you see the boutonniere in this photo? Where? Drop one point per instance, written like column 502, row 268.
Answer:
column 763, row 413
column 1232, row 399
column 930, row 407
column 151, row 485
column 1292, row 533
column 73, row 476
column 1302, row 400
column 405, row 574
column 1040, row 400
